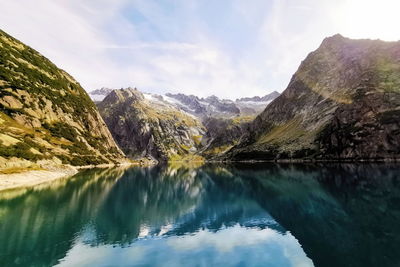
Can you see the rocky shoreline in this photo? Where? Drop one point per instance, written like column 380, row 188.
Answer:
column 33, row 177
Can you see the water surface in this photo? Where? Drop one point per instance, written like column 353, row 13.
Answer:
column 215, row 215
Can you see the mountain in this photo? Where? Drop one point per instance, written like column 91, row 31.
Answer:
column 343, row 103
column 99, row 94
column 225, row 120
column 145, row 125
column 45, row 115
column 255, row 105
column 176, row 126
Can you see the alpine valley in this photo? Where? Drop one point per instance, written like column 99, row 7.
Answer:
column 175, row 126
column 149, row 133
column 343, row 103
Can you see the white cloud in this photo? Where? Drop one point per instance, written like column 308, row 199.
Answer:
column 73, row 36
column 225, row 240
column 232, row 50
column 66, row 37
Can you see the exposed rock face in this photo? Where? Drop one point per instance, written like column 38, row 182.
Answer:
column 47, row 112
column 147, row 126
column 189, row 103
column 342, row 103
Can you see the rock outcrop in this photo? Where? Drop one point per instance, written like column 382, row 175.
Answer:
column 45, row 115
column 343, row 103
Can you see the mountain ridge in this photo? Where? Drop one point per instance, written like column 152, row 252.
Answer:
column 341, row 104
column 203, row 107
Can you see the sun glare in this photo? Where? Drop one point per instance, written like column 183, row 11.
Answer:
column 373, row 19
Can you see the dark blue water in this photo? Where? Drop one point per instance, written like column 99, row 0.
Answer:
column 215, row 215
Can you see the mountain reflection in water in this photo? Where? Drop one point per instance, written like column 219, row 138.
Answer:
column 236, row 215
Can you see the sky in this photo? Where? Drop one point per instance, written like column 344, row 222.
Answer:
column 227, row 48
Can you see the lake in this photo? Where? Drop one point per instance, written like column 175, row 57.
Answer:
column 214, row 215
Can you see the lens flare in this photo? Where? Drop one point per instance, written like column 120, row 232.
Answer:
column 370, row 19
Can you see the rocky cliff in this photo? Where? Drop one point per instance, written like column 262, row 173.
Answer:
column 343, row 103
column 147, row 126
column 45, row 115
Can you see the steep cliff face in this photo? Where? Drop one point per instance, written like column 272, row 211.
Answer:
column 45, row 114
column 147, row 126
column 342, row 103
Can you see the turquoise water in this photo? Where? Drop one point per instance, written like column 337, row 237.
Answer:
column 215, row 215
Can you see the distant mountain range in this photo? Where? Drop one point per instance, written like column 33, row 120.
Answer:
column 99, row 94
column 210, row 106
